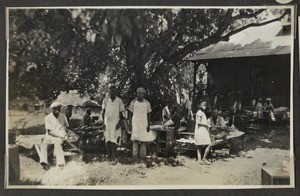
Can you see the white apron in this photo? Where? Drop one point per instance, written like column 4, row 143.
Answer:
column 140, row 123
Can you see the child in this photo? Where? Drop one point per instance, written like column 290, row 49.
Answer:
column 202, row 135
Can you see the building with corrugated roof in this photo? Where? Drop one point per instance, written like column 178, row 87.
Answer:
column 253, row 63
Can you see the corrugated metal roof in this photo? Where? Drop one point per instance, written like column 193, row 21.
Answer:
column 257, row 41
column 228, row 50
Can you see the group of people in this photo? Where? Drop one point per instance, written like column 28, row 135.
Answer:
column 113, row 113
column 56, row 125
column 139, row 122
column 205, row 129
column 266, row 108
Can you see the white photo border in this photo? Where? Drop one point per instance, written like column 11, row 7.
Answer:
column 158, row 187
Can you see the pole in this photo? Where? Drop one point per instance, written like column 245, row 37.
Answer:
column 194, row 80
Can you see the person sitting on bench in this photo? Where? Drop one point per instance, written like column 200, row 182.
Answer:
column 56, row 126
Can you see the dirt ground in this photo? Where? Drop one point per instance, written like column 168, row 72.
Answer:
column 240, row 170
column 267, row 146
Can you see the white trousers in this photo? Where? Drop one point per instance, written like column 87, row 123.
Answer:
column 58, row 151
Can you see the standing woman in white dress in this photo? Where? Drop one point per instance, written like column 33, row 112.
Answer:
column 202, row 134
column 139, row 119
column 112, row 114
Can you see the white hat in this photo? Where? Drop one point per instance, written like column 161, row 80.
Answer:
column 141, row 90
column 55, row 104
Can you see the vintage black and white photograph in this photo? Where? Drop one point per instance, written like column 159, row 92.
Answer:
column 149, row 97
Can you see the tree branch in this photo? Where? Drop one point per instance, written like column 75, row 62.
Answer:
column 247, row 15
column 179, row 55
column 226, row 22
column 226, row 37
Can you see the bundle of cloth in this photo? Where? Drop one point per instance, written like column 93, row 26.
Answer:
column 281, row 113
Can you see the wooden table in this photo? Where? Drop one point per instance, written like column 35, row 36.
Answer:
column 165, row 140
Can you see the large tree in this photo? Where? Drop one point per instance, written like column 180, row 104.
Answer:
column 64, row 49
column 49, row 53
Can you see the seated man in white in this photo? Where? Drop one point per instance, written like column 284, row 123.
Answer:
column 55, row 125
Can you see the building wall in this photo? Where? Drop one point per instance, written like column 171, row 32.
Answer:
column 230, row 76
column 244, row 74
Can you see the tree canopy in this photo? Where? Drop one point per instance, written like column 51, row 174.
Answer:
column 54, row 50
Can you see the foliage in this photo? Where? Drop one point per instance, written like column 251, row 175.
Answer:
column 49, row 53
column 54, row 50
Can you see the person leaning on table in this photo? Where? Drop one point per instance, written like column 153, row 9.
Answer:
column 55, row 124
column 217, row 126
column 187, row 113
column 270, row 110
column 87, row 120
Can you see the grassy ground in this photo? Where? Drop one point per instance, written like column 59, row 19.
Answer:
column 268, row 145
